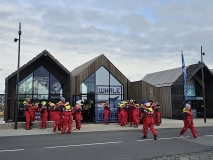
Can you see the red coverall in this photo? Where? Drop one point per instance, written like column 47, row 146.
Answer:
column 126, row 109
column 188, row 122
column 131, row 108
column 43, row 115
column 157, row 115
column 135, row 115
column 27, row 114
column 60, row 103
column 67, row 120
column 123, row 117
column 149, row 123
column 33, row 112
column 78, row 117
column 56, row 117
column 106, row 113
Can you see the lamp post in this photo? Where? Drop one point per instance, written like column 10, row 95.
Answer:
column 17, row 82
column 203, row 86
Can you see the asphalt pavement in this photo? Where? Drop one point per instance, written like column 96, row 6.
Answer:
column 167, row 124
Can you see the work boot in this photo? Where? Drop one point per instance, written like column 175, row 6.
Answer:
column 155, row 137
column 144, row 137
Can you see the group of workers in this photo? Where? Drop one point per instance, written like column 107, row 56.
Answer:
column 61, row 113
column 129, row 112
column 148, row 113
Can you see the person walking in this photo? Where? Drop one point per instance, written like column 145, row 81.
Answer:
column 149, row 122
column 43, row 114
column 188, row 121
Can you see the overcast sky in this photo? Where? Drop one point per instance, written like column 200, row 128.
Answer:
column 137, row 36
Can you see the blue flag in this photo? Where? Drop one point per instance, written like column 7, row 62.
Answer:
column 184, row 79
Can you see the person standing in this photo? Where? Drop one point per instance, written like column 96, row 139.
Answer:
column 85, row 111
column 131, row 108
column 149, row 122
column 61, row 105
column 123, row 114
column 157, row 114
column 188, row 121
column 67, row 118
column 106, row 113
column 78, row 110
column 135, row 115
column 33, row 111
column 56, row 116
column 27, row 113
column 43, row 114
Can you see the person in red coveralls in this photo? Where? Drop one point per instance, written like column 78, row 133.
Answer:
column 61, row 105
column 27, row 113
column 126, row 109
column 157, row 114
column 55, row 110
column 78, row 110
column 123, row 116
column 135, row 114
column 149, row 122
column 43, row 114
column 131, row 107
column 106, row 113
column 67, row 118
column 33, row 111
column 188, row 121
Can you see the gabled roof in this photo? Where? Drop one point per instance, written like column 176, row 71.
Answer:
column 163, row 78
column 169, row 77
column 82, row 67
column 43, row 53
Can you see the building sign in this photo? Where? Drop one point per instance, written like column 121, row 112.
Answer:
column 56, row 88
column 112, row 95
column 109, row 90
column 191, row 87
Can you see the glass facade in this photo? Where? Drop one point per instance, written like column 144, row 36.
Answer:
column 105, row 88
column 38, row 86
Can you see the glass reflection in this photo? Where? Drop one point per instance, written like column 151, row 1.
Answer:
column 25, row 86
column 88, row 86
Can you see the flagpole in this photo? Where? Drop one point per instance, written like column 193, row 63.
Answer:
column 184, row 83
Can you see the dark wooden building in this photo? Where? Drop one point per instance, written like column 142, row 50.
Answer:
column 166, row 87
column 36, row 81
column 45, row 78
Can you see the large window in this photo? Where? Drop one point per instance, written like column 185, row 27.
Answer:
column 88, row 86
column 38, row 86
column 106, row 89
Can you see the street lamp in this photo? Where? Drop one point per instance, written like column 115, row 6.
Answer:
column 203, row 86
column 17, row 82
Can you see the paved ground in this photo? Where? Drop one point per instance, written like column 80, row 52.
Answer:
column 166, row 123
column 208, row 155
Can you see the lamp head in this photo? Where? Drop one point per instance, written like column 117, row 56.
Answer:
column 203, row 53
column 16, row 39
